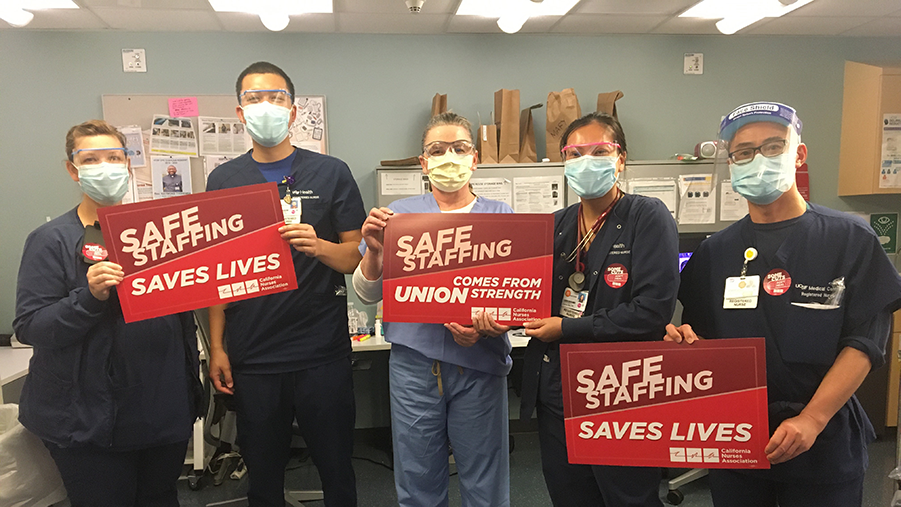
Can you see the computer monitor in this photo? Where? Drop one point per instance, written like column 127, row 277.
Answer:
column 688, row 243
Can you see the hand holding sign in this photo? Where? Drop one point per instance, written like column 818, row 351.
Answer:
column 102, row 277
column 547, row 330
column 374, row 229
column 302, row 237
column 683, row 333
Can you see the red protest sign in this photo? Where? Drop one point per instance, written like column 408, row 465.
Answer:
column 664, row 404
column 195, row 251
column 446, row 267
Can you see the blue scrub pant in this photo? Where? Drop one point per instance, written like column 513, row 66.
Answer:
column 730, row 488
column 99, row 477
column 470, row 414
column 584, row 485
column 322, row 401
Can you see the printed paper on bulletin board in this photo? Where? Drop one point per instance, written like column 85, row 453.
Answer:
column 310, row 130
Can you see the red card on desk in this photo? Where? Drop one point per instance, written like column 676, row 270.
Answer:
column 663, row 404
column 445, row 267
column 196, row 251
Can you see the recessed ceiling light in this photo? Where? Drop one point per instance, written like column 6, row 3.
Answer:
column 737, row 14
column 498, row 8
column 288, row 7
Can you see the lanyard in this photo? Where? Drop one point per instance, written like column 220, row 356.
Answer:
column 584, row 240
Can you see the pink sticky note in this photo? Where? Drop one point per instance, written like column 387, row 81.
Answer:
column 183, row 106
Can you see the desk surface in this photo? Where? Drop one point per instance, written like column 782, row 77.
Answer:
column 13, row 363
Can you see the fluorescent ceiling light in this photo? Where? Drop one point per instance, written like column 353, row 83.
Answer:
column 737, row 14
column 499, row 8
column 35, row 5
column 286, row 7
column 17, row 18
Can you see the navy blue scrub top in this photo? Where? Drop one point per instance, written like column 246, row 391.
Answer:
column 803, row 334
column 307, row 327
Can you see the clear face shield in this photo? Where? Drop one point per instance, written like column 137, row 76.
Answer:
column 758, row 146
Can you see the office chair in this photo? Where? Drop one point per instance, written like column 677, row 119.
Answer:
column 220, row 412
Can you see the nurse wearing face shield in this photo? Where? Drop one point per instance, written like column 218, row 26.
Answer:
column 113, row 402
column 825, row 291
column 615, row 279
column 448, row 383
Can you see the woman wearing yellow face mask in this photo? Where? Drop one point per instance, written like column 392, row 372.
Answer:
column 113, row 402
column 448, row 382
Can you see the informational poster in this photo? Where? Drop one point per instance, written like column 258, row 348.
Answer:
column 499, row 189
column 664, row 404
column 890, row 167
column 400, row 183
column 199, row 250
column 172, row 136
column 732, row 205
column 886, row 227
column 171, row 176
column 223, row 136
column 538, row 194
column 697, row 199
column 309, row 130
column 446, row 267
column 211, row 162
column 134, row 145
column 661, row 188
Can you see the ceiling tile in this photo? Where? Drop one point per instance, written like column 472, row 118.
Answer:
column 472, row 24
column 687, row 26
column 62, row 19
column 604, row 23
column 848, row 8
column 539, row 24
column 889, row 26
column 391, row 23
column 243, row 22
column 150, row 4
column 633, row 6
column 393, row 6
column 157, row 20
column 806, row 25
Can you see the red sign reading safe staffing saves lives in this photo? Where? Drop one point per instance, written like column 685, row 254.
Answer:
column 195, row 251
column 446, row 267
column 663, row 404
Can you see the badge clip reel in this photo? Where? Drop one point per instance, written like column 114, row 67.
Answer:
column 93, row 249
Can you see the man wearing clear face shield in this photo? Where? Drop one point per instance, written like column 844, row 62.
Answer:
column 288, row 354
column 447, row 382
column 821, row 292
column 113, row 402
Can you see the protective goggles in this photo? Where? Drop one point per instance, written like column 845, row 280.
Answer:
column 438, row 148
column 276, row 97
column 590, row 149
column 92, row 156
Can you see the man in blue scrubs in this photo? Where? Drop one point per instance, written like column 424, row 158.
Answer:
column 288, row 354
column 823, row 293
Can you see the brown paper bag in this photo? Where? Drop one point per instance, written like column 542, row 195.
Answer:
column 607, row 102
column 527, row 152
column 439, row 104
column 506, row 117
column 486, row 144
column 562, row 109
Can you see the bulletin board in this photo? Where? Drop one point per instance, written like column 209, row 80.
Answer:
column 138, row 110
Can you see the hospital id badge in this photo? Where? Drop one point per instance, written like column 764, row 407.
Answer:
column 574, row 303
column 291, row 210
column 741, row 292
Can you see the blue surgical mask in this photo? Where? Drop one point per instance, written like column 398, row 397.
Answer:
column 267, row 123
column 763, row 180
column 105, row 183
column 589, row 176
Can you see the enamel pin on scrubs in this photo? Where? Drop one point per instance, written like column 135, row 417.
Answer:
column 742, row 291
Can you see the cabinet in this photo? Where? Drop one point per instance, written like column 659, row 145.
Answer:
column 870, row 92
